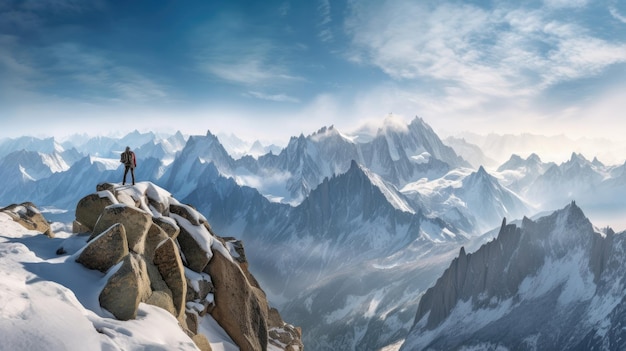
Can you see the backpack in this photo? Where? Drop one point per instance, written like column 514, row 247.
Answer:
column 124, row 157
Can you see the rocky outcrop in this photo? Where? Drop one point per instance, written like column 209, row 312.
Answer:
column 89, row 208
column 113, row 241
column 167, row 259
column 28, row 215
column 237, row 308
column 136, row 221
column 161, row 252
column 128, row 287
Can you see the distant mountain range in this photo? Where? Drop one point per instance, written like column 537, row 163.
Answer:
column 345, row 232
column 554, row 283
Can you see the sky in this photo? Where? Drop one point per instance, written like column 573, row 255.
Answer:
column 272, row 69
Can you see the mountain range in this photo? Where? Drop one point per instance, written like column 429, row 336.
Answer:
column 551, row 283
column 345, row 232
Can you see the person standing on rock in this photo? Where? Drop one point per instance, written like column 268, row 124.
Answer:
column 129, row 161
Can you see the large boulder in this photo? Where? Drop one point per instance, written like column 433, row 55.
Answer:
column 105, row 186
column 197, row 256
column 106, row 250
column 237, row 308
column 89, row 207
column 136, row 222
column 155, row 236
column 167, row 259
column 126, row 288
column 168, row 225
column 187, row 212
column 28, row 216
column 163, row 300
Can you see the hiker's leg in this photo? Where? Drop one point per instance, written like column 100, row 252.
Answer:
column 125, row 172
column 132, row 173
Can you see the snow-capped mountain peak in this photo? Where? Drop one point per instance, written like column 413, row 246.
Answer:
column 391, row 193
column 550, row 282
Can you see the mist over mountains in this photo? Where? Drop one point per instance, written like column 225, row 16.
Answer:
column 347, row 233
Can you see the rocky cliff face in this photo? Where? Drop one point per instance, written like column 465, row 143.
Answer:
column 158, row 251
column 551, row 283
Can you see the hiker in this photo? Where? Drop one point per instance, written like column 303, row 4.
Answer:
column 129, row 161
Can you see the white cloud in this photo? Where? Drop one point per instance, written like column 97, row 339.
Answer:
column 618, row 16
column 559, row 4
column 273, row 97
column 75, row 73
column 494, row 53
column 249, row 71
column 325, row 34
column 225, row 49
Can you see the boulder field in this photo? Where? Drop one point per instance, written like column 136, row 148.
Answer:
column 158, row 251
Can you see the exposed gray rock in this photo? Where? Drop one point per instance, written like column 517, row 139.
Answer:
column 168, row 225
column 157, row 283
column 78, row 228
column 237, row 307
column 106, row 250
column 155, row 236
column 126, row 199
column 126, row 288
column 187, row 212
column 195, row 256
column 105, row 186
column 167, row 259
column 136, row 222
column 192, row 322
column 27, row 215
column 158, row 206
column 90, row 207
column 200, row 291
column 163, row 300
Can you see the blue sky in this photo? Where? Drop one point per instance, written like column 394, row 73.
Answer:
column 271, row 69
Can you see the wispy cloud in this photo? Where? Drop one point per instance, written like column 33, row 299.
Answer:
column 273, row 97
column 566, row 3
column 499, row 52
column 618, row 16
column 252, row 69
column 231, row 49
column 70, row 70
column 325, row 34
column 98, row 76
column 284, row 8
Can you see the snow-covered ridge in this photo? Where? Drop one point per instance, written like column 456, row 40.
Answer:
column 557, row 272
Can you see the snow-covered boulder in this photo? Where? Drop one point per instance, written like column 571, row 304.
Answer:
column 29, row 217
column 106, row 250
column 89, row 208
column 126, row 288
column 196, row 248
column 168, row 225
column 136, row 221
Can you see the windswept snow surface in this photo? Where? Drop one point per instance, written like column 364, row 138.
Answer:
column 51, row 302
